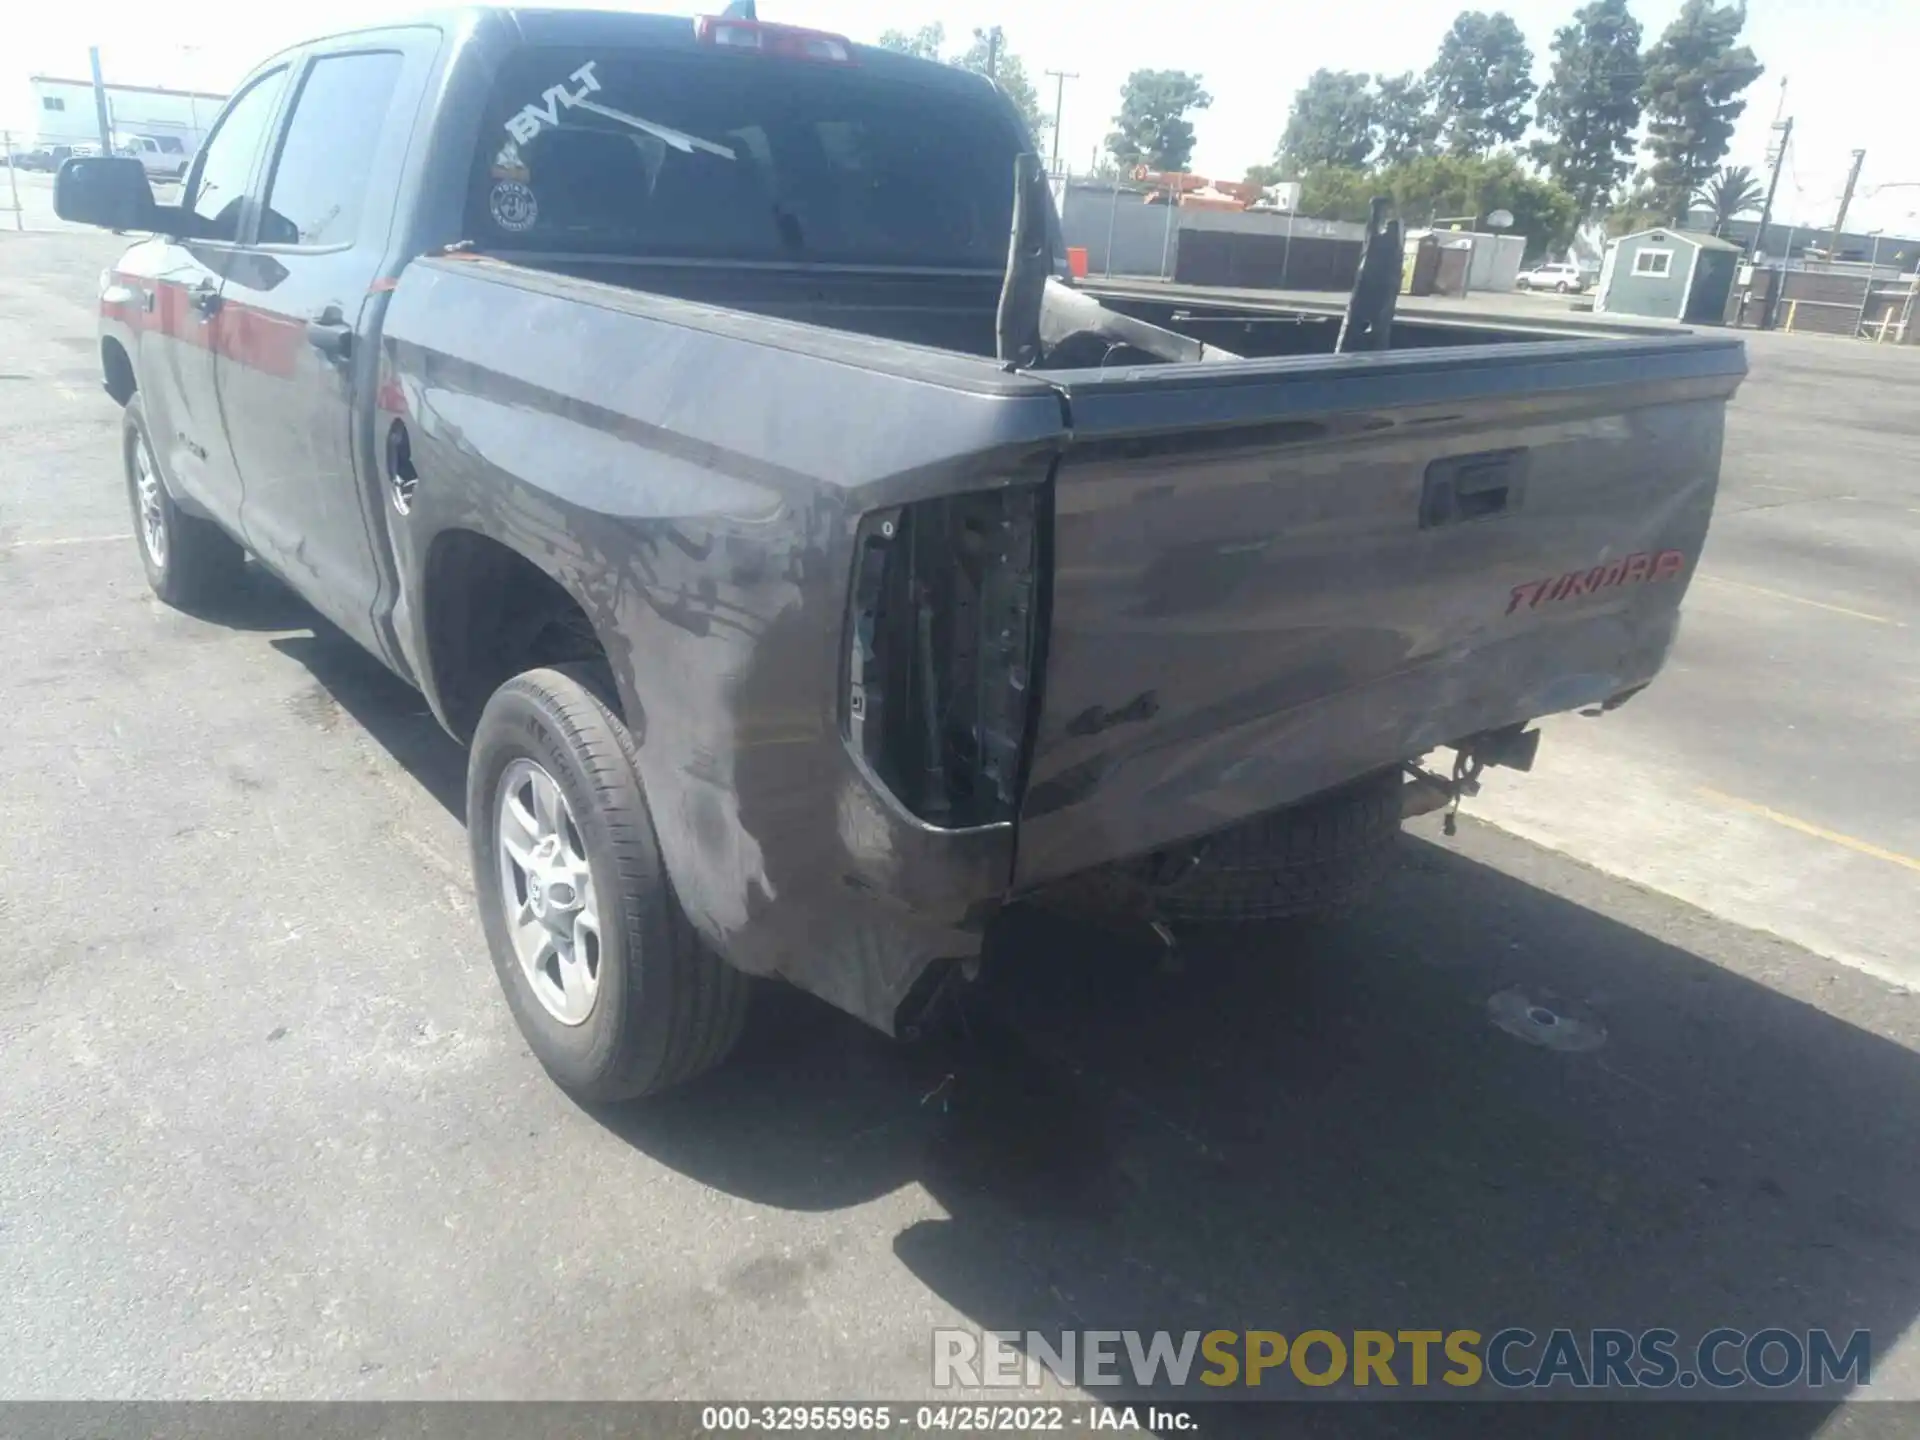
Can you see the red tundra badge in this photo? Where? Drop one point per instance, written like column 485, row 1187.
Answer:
column 1628, row 570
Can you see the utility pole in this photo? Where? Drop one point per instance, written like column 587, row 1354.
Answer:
column 100, row 102
column 1785, row 128
column 1060, row 78
column 992, row 37
column 1846, row 199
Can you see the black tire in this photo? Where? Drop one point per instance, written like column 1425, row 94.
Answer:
column 194, row 561
column 1313, row 859
column 666, row 1007
column 1562, row 287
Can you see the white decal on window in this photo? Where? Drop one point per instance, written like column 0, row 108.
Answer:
column 526, row 123
column 529, row 120
column 513, row 207
column 686, row 144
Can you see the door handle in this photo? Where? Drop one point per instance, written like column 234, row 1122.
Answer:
column 1473, row 487
column 329, row 333
column 205, row 297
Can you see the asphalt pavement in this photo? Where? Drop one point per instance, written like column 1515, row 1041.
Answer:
column 267, row 1131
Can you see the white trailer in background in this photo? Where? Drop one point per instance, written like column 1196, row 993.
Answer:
column 63, row 113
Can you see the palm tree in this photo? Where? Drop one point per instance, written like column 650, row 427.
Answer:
column 1732, row 190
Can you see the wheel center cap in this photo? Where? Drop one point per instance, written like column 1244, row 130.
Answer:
column 552, row 895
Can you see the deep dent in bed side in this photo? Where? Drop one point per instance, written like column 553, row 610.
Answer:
column 710, row 543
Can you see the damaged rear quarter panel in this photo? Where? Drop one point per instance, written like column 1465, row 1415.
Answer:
column 694, row 478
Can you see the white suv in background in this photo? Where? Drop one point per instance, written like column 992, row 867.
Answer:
column 163, row 157
column 1563, row 277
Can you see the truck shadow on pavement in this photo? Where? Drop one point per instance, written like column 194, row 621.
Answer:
column 1323, row 1129
column 387, row 708
column 1319, row 1127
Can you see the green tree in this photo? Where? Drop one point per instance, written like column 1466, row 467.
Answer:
column 1153, row 129
column 1696, row 76
column 1340, row 192
column 926, row 43
column 1403, row 120
column 1008, row 70
column 1481, row 82
column 1636, row 209
column 1731, row 190
column 1590, row 107
column 1331, row 122
column 1427, row 186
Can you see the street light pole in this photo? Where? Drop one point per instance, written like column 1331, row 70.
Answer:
column 100, row 102
column 1773, row 180
column 193, row 104
column 1846, row 199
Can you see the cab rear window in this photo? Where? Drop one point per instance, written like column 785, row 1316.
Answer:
column 685, row 153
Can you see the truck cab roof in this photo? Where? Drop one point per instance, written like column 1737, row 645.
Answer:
column 627, row 29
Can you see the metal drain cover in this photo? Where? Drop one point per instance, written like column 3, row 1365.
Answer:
column 1543, row 1018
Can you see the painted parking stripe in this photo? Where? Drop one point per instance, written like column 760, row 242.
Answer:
column 1818, row 832
column 1802, row 600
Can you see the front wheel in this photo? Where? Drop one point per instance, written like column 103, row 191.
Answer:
column 188, row 560
column 616, row 995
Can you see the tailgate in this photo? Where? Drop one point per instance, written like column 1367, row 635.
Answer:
column 1272, row 577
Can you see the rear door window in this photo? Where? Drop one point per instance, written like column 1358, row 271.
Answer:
column 320, row 178
column 665, row 153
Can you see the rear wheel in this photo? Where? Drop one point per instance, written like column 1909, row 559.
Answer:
column 616, row 995
column 188, row 560
column 1562, row 287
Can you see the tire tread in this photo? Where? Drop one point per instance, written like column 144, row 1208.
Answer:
column 1312, row 859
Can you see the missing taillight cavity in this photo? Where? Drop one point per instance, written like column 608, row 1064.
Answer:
column 940, row 652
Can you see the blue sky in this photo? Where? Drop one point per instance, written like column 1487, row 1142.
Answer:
column 1848, row 63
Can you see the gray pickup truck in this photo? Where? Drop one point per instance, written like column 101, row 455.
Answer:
column 691, row 410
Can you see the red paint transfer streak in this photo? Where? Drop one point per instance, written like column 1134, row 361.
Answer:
column 258, row 339
column 391, row 397
column 1631, row 570
column 175, row 316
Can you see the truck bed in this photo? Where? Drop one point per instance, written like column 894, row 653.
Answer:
column 954, row 310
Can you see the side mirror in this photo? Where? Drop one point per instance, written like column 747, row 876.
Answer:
column 110, row 191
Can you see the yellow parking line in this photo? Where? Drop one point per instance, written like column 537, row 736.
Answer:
column 1802, row 600
column 1819, row 832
